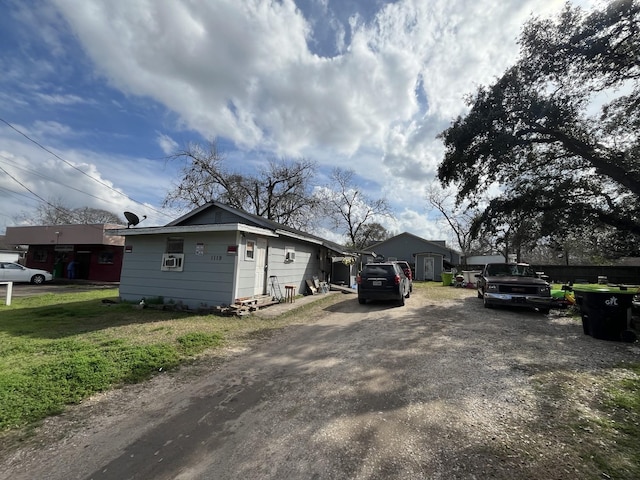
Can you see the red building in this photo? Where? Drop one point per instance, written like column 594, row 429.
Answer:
column 95, row 255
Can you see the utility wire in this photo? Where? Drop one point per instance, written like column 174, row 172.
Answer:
column 32, row 192
column 76, row 168
column 25, row 187
column 49, row 179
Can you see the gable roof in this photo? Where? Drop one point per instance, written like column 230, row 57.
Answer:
column 438, row 244
column 250, row 223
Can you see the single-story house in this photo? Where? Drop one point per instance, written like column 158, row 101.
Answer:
column 428, row 258
column 217, row 254
column 10, row 253
column 14, row 256
column 97, row 255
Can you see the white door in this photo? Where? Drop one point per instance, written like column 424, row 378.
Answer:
column 261, row 263
column 428, row 268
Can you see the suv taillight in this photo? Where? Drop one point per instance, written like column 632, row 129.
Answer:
column 397, row 279
column 358, row 279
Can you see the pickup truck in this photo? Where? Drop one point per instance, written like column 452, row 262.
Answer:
column 514, row 285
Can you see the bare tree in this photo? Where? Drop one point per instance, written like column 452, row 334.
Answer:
column 350, row 210
column 55, row 212
column 280, row 191
column 460, row 219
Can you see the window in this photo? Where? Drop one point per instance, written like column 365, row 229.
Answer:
column 105, row 257
column 173, row 258
column 172, row 262
column 40, row 256
column 175, row 245
column 11, row 266
column 250, row 250
column 289, row 254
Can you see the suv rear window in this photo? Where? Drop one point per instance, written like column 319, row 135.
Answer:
column 378, row 270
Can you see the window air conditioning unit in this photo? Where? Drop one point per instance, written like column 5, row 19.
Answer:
column 172, row 261
column 291, row 256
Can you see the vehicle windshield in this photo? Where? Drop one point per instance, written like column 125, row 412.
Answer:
column 512, row 270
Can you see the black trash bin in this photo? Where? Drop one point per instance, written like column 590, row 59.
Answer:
column 606, row 311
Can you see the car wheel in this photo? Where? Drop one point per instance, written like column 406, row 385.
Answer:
column 485, row 303
column 544, row 311
column 362, row 301
column 37, row 279
column 401, row 301
column 408, row 294
column 480, row 294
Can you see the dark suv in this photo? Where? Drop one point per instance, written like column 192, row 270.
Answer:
column 513, row 284
column 383, row 281
column 407, row 272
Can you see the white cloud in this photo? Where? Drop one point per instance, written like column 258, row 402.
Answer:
column 41, row 128
column 61, row 99
column 167, row 144
column 31, row 176
column 248, row 72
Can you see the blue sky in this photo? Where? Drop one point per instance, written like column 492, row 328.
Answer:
column 108, row 89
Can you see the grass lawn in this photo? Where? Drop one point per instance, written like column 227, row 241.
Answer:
column 57, row 350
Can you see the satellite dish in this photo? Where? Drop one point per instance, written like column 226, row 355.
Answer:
column 133, row 219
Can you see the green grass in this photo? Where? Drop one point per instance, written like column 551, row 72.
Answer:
column 621, row 424
column 56, row 350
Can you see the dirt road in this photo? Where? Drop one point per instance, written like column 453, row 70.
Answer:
column 432, row 390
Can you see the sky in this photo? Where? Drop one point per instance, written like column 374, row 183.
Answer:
column 96, row 95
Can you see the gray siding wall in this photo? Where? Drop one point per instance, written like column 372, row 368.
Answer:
column 437, row 267
column 419, row 268
column 304, row 267
column 403, row 247
column 206, row 279
column 214, row 216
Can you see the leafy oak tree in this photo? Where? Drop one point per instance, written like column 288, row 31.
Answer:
column 280, row 190
column 558, row 132
column 371, row 233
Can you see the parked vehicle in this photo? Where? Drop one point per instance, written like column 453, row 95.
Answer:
column 13, row 272
column 515, row 285
column 407, row 272
column 383, row 281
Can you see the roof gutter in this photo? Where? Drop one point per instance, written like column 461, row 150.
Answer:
column 222, row 227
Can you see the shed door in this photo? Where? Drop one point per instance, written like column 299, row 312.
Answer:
column 261, row 264
column 428, row 268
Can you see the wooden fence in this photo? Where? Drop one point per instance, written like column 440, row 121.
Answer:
column 628, row 275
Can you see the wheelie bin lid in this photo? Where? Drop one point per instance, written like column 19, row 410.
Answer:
column 598, row 288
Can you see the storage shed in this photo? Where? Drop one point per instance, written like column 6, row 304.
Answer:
column 426, row 257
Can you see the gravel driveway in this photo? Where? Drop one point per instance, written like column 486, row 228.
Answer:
column 432, row 390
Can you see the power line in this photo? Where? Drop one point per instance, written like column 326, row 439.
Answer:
column 63, row 211
column 25, row 187
column 75, row 168
column 54, row 181
column 31, row 191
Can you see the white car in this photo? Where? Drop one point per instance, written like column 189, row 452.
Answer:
column 12, row 272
